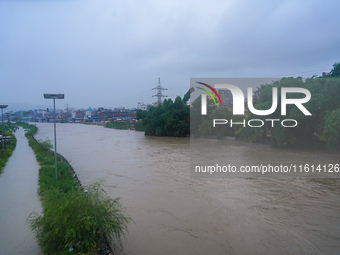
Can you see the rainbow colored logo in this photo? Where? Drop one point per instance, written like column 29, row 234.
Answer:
column 209, row 93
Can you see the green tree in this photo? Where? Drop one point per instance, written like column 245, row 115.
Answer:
column 187, row 95
column 310, row 129
column 201, row 124
column 140, row 114
column 331, row 130
column 45, row 144
column 336, row 69
column 168, row 119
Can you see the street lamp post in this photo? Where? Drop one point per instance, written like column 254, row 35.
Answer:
column 54, row 97
column 2, row 106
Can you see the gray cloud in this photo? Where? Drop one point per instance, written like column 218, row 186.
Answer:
column 111, row 53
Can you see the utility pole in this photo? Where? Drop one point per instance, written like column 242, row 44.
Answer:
column 7, row 115
column 54, row 97
column 159, row 94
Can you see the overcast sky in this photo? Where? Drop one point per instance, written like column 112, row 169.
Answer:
column 110, row 53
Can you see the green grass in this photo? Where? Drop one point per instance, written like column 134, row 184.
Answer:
column 72, row 219
column 118, row 124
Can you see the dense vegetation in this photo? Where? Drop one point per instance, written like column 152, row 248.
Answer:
column 118, row 124
column 323, row 127
column 201, row 125
column 8, row 150
column 335, row 72
column 74, row 220
column 168, row 119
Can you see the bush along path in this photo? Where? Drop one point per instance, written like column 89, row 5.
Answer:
column 9, row 148
column 75, row 218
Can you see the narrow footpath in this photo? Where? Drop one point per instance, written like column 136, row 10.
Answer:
column 18, row 198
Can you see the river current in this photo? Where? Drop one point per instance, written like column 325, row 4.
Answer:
column 174, row 213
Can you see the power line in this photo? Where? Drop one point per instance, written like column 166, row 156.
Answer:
column 275, row 76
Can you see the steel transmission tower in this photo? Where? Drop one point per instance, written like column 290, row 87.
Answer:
column 159, row 94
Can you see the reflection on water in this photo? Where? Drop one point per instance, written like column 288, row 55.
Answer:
column 177, row 214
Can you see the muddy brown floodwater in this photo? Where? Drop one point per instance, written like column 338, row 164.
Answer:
column 177, row 214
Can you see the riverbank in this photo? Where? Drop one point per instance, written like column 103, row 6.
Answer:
column 10, row 145
column 77, row 217
column 177, row 214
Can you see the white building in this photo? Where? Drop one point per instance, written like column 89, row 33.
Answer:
column 142, row 106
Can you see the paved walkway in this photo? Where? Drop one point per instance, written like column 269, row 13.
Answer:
column 18, row 198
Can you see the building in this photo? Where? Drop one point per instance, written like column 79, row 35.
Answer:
column 78, row 116
column 142, row 106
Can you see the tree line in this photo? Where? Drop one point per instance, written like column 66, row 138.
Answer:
column 323, row 127
column 171, row 118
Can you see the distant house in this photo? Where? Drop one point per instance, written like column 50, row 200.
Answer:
column 142, row 106
column 91, row 115
column 105, row 115
column 79, row 115
column 94, row 116
column 88, row 113
column 65, row 116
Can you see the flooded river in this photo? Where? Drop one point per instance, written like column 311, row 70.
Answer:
column 177, row 214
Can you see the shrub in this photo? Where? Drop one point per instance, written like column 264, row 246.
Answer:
column 78, row 219
column 9, row 148
column 118, row 124
column 45, row 144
